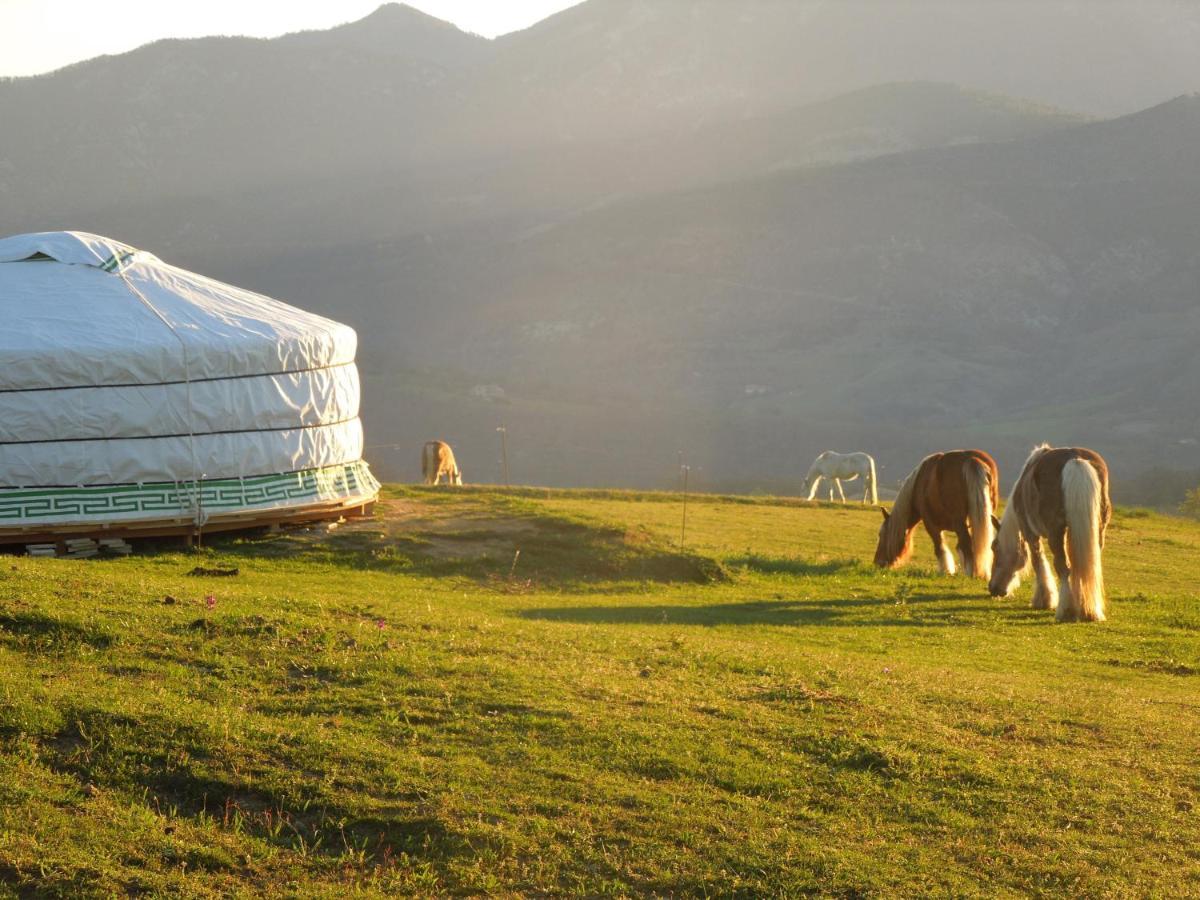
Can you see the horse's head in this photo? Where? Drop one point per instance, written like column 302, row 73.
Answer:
column 456, row 477
column 1010, row 556
column 808, row 486
column 895, row 542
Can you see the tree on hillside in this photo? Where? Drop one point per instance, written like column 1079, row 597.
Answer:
column 1191, row 503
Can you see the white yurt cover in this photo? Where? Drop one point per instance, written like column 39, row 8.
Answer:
column 134, row 390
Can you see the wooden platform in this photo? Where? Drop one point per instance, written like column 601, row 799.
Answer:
column 186, row 527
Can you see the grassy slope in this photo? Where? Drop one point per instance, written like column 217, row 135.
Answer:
column 768, row 714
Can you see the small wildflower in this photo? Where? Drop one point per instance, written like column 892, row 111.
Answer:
column 380, row 624
column 210, row 601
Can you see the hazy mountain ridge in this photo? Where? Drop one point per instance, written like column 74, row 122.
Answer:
column 181, row 117
column 399, row 31
column 391, row 198
column 701, row 59
column 402, row 88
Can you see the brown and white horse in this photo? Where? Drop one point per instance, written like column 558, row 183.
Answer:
column 437, row 459
column 1062, row 496
column 954, row 491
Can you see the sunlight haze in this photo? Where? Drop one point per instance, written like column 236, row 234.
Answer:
column 43, row 35
column 640, row 448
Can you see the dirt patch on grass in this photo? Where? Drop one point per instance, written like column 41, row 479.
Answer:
column 514, row 542
column 440, row 533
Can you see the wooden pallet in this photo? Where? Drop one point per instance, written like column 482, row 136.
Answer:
column 185, row 527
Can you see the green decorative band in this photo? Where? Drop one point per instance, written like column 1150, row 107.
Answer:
column 343, row 484
column 117, row 261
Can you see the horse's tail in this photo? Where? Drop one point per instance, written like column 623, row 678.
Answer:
column 979, row 517
column 871, row 480
column 1083, row 498
column 451, row 466
column 427, row 463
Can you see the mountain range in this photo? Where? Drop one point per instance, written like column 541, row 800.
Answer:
column 743, row 231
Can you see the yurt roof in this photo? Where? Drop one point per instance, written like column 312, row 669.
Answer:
column 82, row 310
column 75, row 248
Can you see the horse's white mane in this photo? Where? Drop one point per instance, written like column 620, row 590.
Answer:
column 902, row 505
column 896, row 527
column 1009, row 534
column 1035, row 453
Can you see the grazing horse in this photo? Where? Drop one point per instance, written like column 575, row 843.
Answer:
column 954, row 491
column 437, row 459
column 839, row 467
column 1062, row 496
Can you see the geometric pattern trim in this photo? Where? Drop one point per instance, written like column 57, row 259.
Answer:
column 189, row 500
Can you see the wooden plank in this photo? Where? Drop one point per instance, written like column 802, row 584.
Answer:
column 176, row 526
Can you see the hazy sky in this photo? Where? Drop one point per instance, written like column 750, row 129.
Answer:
column 40, row 35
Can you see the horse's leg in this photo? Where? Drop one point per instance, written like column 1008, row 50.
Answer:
column 1068, row 603
column 841, row 493
column 945, row 559
column 965, row 556
column 1045, row 591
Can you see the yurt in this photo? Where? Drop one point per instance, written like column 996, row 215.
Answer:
column 137, row 398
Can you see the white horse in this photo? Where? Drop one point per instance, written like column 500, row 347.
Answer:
column 839, row 467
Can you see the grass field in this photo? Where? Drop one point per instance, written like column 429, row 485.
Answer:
column 409, row 706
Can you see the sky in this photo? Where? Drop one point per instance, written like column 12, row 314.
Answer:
column 42, row 35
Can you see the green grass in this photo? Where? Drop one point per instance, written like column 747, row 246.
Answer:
column 411, row 707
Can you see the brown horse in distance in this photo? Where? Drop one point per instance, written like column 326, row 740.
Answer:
column 437, row 459
column 954, row 491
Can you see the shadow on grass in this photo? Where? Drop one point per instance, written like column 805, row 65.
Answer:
column 46, row 634
column 1159, row 666
column 540, row 550
column 792, row 565
column 920, row 611
column 181, row 769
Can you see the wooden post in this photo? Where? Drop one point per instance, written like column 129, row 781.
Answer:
column 199, row 512
column 504, row 451
column 683, row 527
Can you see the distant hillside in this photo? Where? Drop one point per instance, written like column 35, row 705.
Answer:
column 998, row 293
column 681, row 63
column 186, row 117
column 400, row 87
column 398, row 199
column 402, row 98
